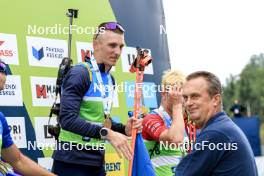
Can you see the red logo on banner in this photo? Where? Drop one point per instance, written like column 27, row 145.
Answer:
column 41, row 91
column 45, row 91
column 5, row 53
column 86, row 53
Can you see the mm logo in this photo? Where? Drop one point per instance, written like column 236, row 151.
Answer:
column 5, row 52
column 45, row 91
column 38, row 54
column 86, row 53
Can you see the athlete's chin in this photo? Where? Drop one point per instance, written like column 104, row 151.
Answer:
column 112, row 63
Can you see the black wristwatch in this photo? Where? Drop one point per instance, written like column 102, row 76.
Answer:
column 103, row 133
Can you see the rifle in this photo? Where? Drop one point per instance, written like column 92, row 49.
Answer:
column 64, row 67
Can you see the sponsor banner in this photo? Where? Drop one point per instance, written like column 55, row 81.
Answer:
column 43, row 91
column 114, row 165
column 8, row 48
column 46, row 52
column 43, row 138
column 12, row 93
column 148, row 94
column 46, row 163
column 85, row 49
column 18, row 131
column 128, row 55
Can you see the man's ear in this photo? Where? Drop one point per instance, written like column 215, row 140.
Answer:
column 95, row 44
column 217, row 99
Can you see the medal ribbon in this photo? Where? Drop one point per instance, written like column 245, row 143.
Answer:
column 107, row 101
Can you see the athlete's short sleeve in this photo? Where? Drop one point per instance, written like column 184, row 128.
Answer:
column 153, row 126
column 5, row 132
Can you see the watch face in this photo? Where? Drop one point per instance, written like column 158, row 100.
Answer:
column 104, row 132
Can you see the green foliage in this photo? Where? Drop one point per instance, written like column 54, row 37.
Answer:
column 248, row 87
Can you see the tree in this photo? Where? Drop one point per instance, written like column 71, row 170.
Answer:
column 248, row 88
column 230, row 92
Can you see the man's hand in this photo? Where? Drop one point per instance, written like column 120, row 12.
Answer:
column 120, row 143
column 135, row 124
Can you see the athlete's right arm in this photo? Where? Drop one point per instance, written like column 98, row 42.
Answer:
column 75, row 84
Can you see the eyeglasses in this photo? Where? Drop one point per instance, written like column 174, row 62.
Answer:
column 109, row 26
column 3, row 68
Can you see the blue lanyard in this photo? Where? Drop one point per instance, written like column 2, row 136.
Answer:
column 107, row 101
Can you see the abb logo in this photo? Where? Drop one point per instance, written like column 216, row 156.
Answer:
column 8, row 48
column 5, row 52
